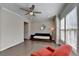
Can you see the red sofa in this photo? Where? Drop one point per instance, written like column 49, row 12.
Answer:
column 63, row 50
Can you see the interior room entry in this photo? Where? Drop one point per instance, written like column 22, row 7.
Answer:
column 25, row 30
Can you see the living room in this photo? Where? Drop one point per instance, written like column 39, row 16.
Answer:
column 47, row 24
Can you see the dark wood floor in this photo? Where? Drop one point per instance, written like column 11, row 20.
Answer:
column 26, row 48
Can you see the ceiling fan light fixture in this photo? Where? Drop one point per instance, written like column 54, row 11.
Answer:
column 31, row 13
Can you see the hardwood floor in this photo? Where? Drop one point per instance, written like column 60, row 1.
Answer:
column 26, row 48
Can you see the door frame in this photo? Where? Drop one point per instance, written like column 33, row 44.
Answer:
column 28, row 29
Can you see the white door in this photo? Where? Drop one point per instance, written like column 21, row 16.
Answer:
column 25, row 30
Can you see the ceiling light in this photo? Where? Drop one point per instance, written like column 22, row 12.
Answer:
column 31, row 13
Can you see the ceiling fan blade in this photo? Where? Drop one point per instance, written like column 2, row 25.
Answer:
column 37, row 12
column 26, row 13
column 23, row 9
column 34, row 14
column 32, row 8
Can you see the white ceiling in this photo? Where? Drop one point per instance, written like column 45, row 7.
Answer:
column 47, row 9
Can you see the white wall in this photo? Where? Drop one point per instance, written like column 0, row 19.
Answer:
column 35, row 27
column 12, row 29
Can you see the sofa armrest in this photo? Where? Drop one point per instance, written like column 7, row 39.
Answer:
column 51, row 49
column 34, row 54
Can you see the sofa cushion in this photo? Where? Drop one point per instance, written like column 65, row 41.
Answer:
column 34, row 54
column 63, row 50
column 44, row 52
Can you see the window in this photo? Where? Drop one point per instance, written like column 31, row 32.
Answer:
column 62, row 29
column 69, row 28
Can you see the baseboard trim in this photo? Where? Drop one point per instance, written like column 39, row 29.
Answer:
column 11, row 46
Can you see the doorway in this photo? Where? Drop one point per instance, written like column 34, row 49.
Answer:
column 25, row 30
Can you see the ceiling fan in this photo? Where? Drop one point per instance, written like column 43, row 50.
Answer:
column 31, row 11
